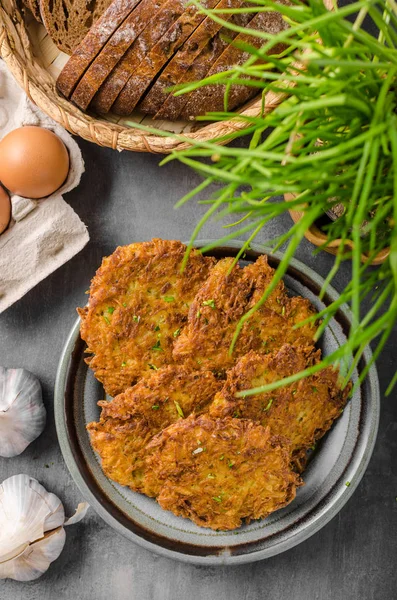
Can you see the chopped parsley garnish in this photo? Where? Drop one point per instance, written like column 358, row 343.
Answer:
column 199, row 362
column 153, row 367
column 268, row 405
column 210, row 303
column 125, row 304
column 198, row 314
column 156, row 406
column 123, row 364
column 168, row 298
column 178, row 409
column 217, row 498
column 314, row 389
column 236, row 414
column 157, row 328
column 106, row 319
column 230, row 464
column 157, row 347
column 271, row 338
column 110, row 310
column 176, row 332
column 136, row 319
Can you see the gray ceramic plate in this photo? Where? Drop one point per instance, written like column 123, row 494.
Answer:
column 341, row 457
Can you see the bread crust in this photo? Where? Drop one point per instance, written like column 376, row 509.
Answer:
column 92, row 44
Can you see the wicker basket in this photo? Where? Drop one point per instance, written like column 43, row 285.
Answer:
column 35, row 63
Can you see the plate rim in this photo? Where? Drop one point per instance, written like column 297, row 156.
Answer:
column 312, row 527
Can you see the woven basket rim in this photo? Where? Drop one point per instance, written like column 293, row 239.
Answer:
column 40, row 88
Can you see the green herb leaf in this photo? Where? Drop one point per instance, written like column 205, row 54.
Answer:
column 179, row 409
column 106, row 319
column 153, row 367
column 168, row 298
column 157, row 346
column 217, row 498
column 136, row 319
column 123, row 364
column 156, row 406
column 210, row 303
column 110, row 310
column 347, row 484
column 157, row 328
column 176, row 333
column 268, row 405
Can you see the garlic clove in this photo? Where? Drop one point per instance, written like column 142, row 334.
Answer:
column 36, row 558
column 22, row 412
column 27, row 510
column 31, row 527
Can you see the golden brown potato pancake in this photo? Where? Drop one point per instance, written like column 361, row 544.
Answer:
column 218, row 472
column 301, row 412
column 130, row 420
column 223, row 299
column 139, row 300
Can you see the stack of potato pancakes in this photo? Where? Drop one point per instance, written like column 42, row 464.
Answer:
column 159, row 339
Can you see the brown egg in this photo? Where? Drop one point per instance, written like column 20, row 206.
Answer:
column 34, row 162
column 5, row 210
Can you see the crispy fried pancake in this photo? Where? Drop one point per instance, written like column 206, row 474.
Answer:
column 218, row 472
column 220, row 303
column 139, row 300
column 130, row 420
column 302, row 412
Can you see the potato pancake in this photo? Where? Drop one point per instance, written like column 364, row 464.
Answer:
column 302, row 412
column 130, row 420
column 139, row 301
column 219, row 472
column 228, row 293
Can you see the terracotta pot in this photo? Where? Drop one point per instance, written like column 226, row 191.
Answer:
column 317, row 237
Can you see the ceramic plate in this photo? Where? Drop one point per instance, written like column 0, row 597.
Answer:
column 340, row 457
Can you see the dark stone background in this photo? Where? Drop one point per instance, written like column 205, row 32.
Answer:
column 124, row 198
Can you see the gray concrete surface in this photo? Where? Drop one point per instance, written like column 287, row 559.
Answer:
column 125, row 198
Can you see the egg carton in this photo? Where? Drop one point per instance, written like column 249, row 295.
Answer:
column 43, row 234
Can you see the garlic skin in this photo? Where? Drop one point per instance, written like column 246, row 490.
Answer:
column 31, row 528
column 22, row 412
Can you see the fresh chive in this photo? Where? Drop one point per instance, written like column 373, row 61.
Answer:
column 153, row 367
column 176, row 333
column 156, row 406
column 222, row 456
column 198, row 314
column 217, row 498
column 268, row 405
column 106, row 319
column 136, row 319
column 179, row 409
column 168, row 298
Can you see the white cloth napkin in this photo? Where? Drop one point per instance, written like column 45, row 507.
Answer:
column 43, row 234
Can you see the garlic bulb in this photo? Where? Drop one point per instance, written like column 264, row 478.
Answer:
column 22, row 412
column 31, row 528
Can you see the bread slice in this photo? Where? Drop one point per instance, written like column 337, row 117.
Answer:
column 122, row 40
column 208, row 41
column 68, row 21
column 210, row 98
column 157, row 18
column 92, row 44
column 154, row 61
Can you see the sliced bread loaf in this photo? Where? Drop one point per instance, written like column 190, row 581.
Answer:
column 68, row 21
column 179, row 64
column 122, row 39
column 92, row 44
column 210, row 98
column 158, row 19
column 165, row 48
